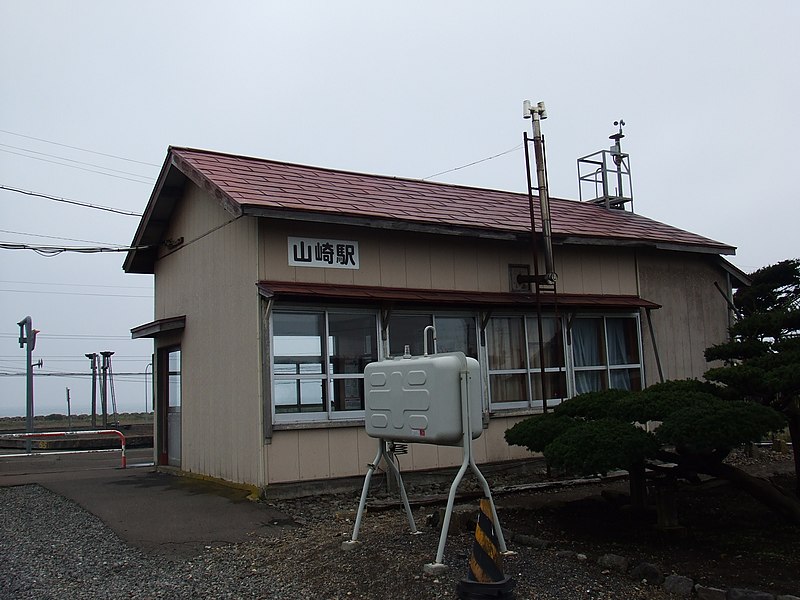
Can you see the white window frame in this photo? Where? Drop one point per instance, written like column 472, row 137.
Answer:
column 528, row 370
column 607, row 368
column 327, row 376
column 530, row 405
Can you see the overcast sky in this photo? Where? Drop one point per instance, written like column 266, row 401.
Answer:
column 708, row 91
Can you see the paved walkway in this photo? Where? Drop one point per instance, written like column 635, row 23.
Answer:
column 157, row 512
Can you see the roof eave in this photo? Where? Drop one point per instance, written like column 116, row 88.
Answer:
column 204, row 183
column 380, row 223
column 135, row 260
column 738, row 277
column 165, row 195
column 497, row 234
column 640, row 243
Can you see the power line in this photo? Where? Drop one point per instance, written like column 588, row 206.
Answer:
column 55, row 250
column 77, row 167
column 72, row 160
column 30, row 137
column 65, row 374
column 68, row 201
column 74, row 293
column 93, row 285
column 517, row 147
column 67, row 358
column 53, row 237
column 70, row 336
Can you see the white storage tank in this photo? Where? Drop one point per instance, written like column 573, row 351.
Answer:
column 418, row 398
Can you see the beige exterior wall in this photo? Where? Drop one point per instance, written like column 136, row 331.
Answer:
column 693, row 316
column 212, row 282
column 415, row 260
column 403, row 259
column 324, row 453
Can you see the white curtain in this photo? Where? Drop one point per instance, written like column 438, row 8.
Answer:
column 587, row 342
column 618, row 351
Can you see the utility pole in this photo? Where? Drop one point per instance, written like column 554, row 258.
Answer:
column 69, row 412
column 104, row 389
column 106, row 367
column 93, row 358
column 27, row 339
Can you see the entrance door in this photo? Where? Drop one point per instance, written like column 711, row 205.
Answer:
column 173, row 404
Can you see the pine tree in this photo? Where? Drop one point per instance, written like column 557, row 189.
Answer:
column 762, row 358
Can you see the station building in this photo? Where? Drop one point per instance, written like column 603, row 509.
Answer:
column 276, row 284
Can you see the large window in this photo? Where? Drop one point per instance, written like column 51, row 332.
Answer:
column 548, row 376
column 318, row 362
column 520, row 376
column 319, row 356
column 605, row 353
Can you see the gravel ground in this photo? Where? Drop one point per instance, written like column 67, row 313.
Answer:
column 51, row 549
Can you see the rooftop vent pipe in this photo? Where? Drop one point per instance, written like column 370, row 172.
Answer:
column 538, row 113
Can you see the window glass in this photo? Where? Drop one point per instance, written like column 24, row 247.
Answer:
column 588, row 345
column 174, row 379
column 352, row 342
column 348, row 394
column 590, row 381
column 408, row 330
column 318, row 372
column 297, row 340
column 299, row 396
column 623, row 341
column 506, row 344
column 457, row 334
column 508, row 387
column 626, row 379
column 352, row 345
column 601, row 349
column 553, row 343
column 555, row 385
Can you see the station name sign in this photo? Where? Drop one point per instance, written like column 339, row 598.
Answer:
column 329, row 254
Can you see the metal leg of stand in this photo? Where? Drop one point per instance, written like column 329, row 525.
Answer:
column 403, row 495
column 485, row 486
column 438, row 566
column 364, row 491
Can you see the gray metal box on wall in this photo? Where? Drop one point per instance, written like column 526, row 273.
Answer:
column 418, row 398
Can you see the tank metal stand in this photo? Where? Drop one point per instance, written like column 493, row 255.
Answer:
column 383, row 454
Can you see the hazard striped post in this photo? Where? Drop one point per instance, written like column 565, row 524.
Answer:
column 485, row 578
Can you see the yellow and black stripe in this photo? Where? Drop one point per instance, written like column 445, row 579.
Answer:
column 486, row 562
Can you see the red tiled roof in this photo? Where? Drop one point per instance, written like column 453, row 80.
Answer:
column 259, row 185
column 356, row 293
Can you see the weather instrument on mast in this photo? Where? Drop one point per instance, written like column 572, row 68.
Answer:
column 604, row 177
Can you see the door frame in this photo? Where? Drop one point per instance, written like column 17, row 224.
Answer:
column 163, row 403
